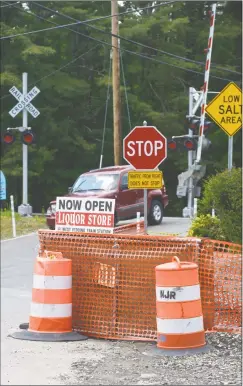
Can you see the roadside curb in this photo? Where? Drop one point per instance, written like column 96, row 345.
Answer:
column 19, row 237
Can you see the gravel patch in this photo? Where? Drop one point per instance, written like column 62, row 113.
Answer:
column 124, row 363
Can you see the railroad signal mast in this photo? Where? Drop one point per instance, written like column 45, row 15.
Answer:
column 27, row 135
column 195, row 141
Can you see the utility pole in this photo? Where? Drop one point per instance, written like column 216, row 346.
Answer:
column 116, row 85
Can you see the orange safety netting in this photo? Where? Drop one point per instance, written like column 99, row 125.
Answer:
column 114, row 280
column 130, row 229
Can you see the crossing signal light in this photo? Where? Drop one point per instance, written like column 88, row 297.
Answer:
column 194, row 124
column 189, row 144
column 172, row 145
column 8, row 138
column 182, row 143
column 28, row 137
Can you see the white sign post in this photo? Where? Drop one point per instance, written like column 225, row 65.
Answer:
column 24, row 105
column 13, row 215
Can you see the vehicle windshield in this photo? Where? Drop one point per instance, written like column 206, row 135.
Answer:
column 96, row 182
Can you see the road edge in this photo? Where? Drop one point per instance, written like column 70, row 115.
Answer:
column 19, row 237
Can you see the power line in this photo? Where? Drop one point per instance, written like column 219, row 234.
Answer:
column 126, row 97
column 40, row 30
column 110, row 45
column 9, row 5
column 58, row 69
column 102, row 42
column 134, row 42
column 174, row 65
column 86, row 21
column 65, row 65
column 125, row 50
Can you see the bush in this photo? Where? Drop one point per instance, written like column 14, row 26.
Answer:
column 223, row 192
column 206, row 226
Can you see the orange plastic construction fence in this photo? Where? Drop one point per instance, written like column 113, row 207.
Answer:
column 114, row 280
column 130, row 229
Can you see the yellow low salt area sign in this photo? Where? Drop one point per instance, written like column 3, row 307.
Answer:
column 226, row 109
column 145, row 180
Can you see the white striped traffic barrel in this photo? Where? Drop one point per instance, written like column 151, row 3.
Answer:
column 178, row 305
column 51, row 306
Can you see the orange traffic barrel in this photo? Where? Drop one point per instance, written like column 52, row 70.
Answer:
column 51, row 307
column 178, row 306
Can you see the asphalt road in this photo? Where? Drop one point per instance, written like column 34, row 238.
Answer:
column 35, row 363
column 169, row 225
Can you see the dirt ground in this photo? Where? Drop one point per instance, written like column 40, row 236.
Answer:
column 128, row 363
column 103, row 362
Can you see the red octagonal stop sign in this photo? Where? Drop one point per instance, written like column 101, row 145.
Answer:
column 145, row 147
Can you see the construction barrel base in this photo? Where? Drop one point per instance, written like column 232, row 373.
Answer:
column 181, row 341
column 25, row 334
column 155, row 351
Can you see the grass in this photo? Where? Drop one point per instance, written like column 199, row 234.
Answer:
column 24, row 225
column 162, row 234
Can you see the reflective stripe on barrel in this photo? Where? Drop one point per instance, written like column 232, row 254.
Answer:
column 51, row 306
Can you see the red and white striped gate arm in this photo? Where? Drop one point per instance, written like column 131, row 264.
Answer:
column 206, row 79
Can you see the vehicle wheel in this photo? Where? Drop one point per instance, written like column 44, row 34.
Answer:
column 155, row 216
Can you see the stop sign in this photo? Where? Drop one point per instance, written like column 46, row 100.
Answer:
column 145, row 147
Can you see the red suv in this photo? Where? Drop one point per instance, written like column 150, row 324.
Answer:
column 112, row 182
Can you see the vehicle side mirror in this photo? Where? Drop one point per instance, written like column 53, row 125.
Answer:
column 124, row 187
column 70, row 189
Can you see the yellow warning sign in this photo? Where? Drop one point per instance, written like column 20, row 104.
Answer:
column 226, row 109
column 145, row 180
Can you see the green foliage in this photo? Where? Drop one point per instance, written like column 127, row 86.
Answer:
column 35, row 50
column 24, row 225
column 206, row 226
column 223, row 192
column 73, row 82
column 8, row 78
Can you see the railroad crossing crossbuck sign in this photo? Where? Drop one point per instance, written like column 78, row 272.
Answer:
column 24, row 102
column 226, row 109
column 145, row 148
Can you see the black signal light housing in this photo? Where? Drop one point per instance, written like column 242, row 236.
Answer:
column 194, row 124
column 28, row 137
column 190, row 144
column 8, row 138
column 172, row 145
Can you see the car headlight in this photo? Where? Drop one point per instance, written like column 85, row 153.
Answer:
column 48, row 212
column 53, row 208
